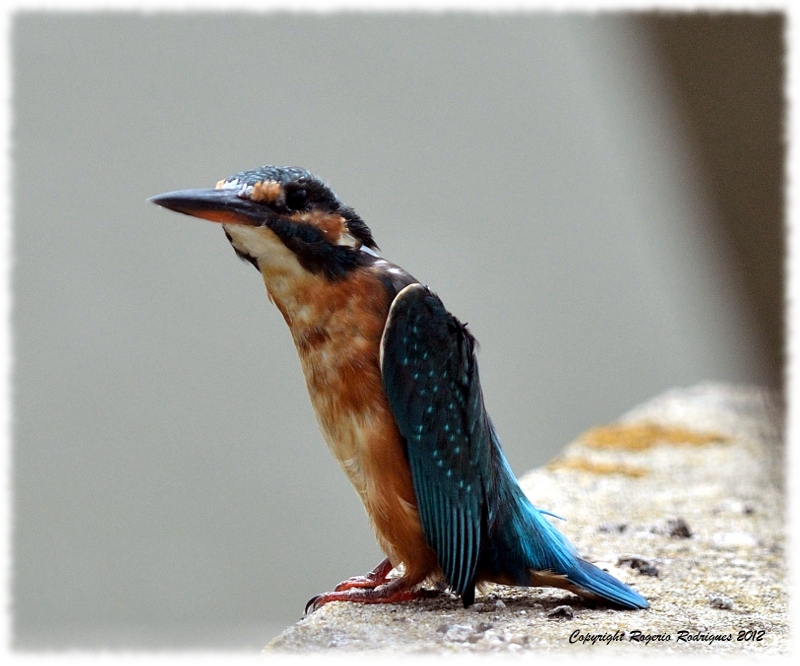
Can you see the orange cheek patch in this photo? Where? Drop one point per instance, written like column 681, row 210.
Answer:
column 266, row 191
column 332, row 226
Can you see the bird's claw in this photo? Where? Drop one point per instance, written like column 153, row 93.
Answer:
column 359, row 582
column 393, row 592
column 311, row 606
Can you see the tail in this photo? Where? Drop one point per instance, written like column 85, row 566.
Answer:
column 599, row 583
column 523, row 548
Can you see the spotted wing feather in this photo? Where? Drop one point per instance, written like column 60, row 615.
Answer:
column 430, row 376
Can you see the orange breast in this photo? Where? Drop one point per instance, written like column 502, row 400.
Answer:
column 337, row 331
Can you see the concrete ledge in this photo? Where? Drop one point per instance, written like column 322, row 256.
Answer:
column 682, row 499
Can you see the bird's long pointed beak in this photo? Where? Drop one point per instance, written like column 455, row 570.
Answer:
column 217, row 205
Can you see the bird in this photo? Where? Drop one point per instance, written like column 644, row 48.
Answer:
column 393, row 380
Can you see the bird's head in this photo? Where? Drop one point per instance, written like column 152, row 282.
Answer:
column 273, row 215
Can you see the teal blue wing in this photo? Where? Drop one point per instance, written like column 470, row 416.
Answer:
column 430, row 375
column 473, row 512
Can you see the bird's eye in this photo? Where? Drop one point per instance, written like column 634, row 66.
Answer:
column 296, row 199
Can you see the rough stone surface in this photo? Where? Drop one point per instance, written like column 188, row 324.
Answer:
column 682, row 499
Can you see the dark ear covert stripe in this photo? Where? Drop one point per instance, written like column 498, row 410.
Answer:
column 314, row 252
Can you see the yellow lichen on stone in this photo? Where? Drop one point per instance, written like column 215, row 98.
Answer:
column 595, row 467
column 640, row 436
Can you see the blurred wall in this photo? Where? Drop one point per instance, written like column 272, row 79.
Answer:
column 725, row 73
column 556, row 178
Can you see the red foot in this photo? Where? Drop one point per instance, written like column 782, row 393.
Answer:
column 385, row 594
column 378, row 576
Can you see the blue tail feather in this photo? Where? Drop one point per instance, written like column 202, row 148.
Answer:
column 521, row 540
column 595, row 580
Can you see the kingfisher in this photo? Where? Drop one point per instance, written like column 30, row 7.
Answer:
column 393, row 379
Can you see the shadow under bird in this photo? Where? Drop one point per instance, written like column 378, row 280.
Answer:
column 393, row 378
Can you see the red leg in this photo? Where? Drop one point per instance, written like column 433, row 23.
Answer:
column 396, row 590
column 377, row 576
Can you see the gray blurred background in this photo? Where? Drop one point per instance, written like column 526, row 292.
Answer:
column 599, row 196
